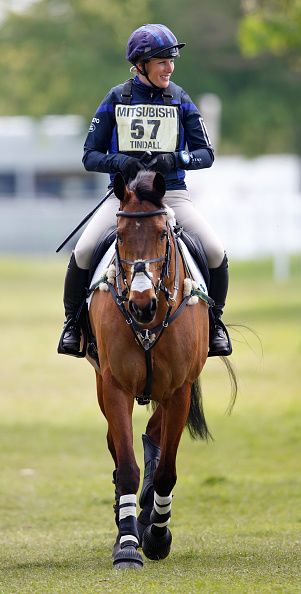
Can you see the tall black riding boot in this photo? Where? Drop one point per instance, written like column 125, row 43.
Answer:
column 219, row 340
column 74, row 294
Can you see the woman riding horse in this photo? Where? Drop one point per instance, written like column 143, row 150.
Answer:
column 150, row 113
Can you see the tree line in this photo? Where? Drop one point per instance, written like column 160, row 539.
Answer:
column 62, row 56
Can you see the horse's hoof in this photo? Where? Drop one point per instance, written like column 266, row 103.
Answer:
column 156, row 547
column 127, row 558
column 128, row 565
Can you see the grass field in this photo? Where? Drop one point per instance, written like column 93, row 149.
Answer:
column 236, row 510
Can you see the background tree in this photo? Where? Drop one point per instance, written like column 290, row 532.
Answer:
column 62, row 56
column 274, row 27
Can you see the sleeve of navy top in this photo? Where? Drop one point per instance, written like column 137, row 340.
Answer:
column 198, row 143
column 99, row 139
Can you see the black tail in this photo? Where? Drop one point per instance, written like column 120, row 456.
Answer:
column 233, row 382
column 196, row 422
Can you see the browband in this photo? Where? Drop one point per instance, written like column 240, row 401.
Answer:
column 140, row 214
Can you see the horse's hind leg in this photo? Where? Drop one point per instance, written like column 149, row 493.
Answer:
column 118, row 407
column 157, row 538
column 151, row 447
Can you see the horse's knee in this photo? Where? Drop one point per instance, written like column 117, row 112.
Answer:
column 164, row 482
column 128, row 478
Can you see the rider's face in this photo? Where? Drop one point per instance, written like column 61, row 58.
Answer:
column 159, row 71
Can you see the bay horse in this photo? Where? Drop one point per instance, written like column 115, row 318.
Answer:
column 151, row 345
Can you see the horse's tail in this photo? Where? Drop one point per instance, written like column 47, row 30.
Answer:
column 233, row 382
column 196, row 422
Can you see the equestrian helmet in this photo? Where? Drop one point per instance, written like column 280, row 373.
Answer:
column 152, row 41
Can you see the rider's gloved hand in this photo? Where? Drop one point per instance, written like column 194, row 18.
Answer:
column 129, row 167
column 163, row 163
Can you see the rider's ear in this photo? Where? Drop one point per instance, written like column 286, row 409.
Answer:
column 119, row 186
column 159, row 185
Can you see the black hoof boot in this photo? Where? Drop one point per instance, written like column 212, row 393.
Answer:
column 146, row 500
column 127, row 558
column 156, row 545
column 143, row 520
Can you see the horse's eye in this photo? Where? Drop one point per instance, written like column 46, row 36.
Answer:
column 119, row 239
column 163, row 235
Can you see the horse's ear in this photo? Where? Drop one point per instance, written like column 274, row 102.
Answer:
column 119, row 186
column 159, row 185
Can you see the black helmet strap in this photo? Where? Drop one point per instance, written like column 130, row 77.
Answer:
column 143, row 72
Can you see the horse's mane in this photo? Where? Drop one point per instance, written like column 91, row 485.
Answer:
column 143, row 186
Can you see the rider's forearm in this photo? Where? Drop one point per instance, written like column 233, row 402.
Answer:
column 94, row 160
column 201, row 159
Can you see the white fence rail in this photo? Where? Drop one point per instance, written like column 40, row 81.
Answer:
column 254, row 205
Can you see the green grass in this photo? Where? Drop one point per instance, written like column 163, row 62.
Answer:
column 236, row 509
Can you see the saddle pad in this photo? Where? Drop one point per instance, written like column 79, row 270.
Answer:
column 102, row 266
column 194, row 270
column 189, row 262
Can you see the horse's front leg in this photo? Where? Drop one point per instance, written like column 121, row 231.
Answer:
column 110, row 444
column 156, row 540
column 118, row 408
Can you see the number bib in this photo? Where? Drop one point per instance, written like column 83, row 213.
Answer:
column 147, row 127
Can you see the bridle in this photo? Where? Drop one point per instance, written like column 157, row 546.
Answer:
column 148, row 338
column 141, row 266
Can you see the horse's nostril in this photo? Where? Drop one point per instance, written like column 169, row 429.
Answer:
column 143, row 314
column 153, row 304
column 134, row 309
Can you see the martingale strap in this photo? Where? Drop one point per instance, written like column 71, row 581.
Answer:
column 145, row 338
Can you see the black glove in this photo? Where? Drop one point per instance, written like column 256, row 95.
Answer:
column 164, row 163
column 130, row 167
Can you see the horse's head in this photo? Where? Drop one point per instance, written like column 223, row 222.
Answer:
column 142, row 241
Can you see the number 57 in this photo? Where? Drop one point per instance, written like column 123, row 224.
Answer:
column 137, row 128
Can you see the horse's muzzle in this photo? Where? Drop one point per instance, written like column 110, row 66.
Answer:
column 143, row 313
